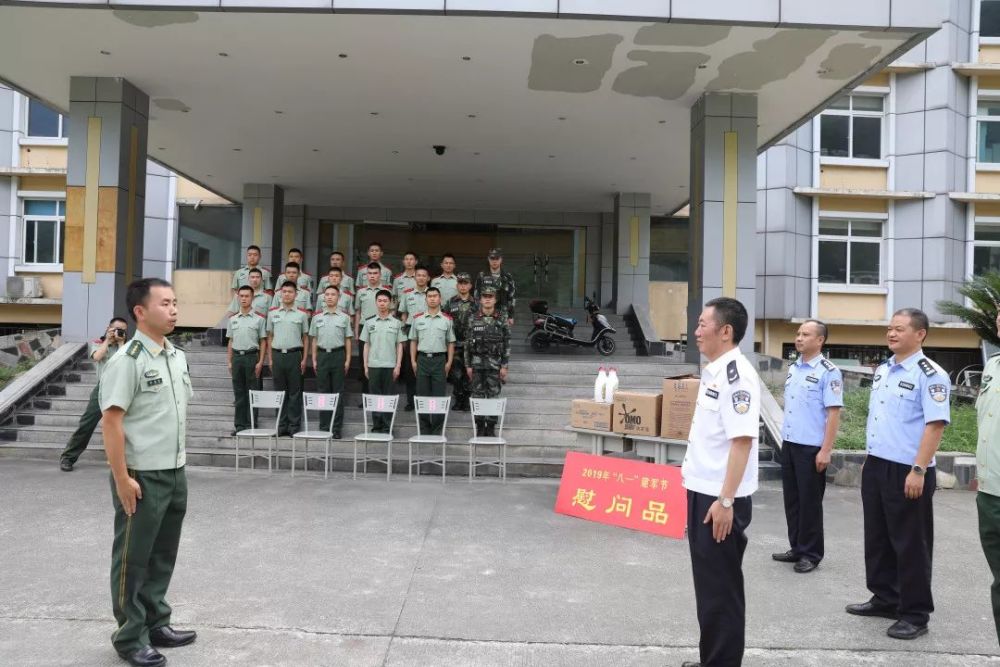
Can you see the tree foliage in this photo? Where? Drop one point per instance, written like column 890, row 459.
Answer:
column 983, row 292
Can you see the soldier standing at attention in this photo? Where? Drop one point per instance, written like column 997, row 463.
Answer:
column 288, row 332
column 412, row 303
column 814, row 395
column 240, row 276
column 303, row 297
column 374, row 255
column 988, row 474
column 366, row 307
column 383, row 353
column 347, row 282
column 101, row 350
column 345, row 297
column 245, row 355
column 487, row 353
column 144, row 395
column 720, row 474
column 331, row 334
column 907, row 412
column 461, row 307
column 432, row 350
column 261, row 302
column 305, row 280
column 502, row 283
column 407, row 279
column 446, row 282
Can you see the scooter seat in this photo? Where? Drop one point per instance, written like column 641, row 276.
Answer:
column 568, row 321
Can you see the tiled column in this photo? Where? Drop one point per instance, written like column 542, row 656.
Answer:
column 723, row 206
column 263, row 212
column 10, row 133
column 160, row 232
column 632, row 262
column 609, row 251
column 105, row 202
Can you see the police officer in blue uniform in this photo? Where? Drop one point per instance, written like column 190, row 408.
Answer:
column 814, row 395
column 907, row 413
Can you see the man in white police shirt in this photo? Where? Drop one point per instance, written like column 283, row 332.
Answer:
column 907, row 413
column 720, row 473
column 814, row 395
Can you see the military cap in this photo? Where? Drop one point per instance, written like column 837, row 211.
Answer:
column 488, row 290
column 495, row 253
column 463, row 278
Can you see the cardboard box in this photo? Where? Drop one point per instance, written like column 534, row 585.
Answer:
column 680, row 394
column 637, row 413
column 591, row 415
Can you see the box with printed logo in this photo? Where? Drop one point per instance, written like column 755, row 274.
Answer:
column 591, row 415
column 680, row 395
column 637, row 413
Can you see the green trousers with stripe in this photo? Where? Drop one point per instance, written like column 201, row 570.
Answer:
column 431, row 381
column 989, row 536
column 330, row 378
column 143, row 555
column 88, row 423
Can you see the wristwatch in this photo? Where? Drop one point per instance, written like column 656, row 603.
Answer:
column 727, row 503
column 920, row 470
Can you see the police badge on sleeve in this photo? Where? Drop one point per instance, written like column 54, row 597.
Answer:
column 938, row 392
column 741, row 402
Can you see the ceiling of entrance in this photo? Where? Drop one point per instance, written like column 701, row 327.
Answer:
column 535, row 113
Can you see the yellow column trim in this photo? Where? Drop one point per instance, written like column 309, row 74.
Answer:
column 289, row 237
column 133, row 183
column 633, row 250
column 258, row 224
column 730, row 207
column 90, row 200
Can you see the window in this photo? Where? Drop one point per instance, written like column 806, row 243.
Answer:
column 209, row 238
column 989, row 18
column 988, row 131
column 850, row 252
column 986, row 252
column 44, row 229
column 44, row 122
column 669, row 249
column 852, row 127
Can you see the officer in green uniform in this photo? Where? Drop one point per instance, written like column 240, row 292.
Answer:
column 245, row 354
column 261, row 302
column 487, row 353
column 502, row 283
column 988, row 474
column 407, row 279
column 101, row 350
column 365, row 307
column 374, row 255
column 345, row 300
column 288, row 331
column 241, row 275
column 432, row 351
column 413, row 301
column 303, row 297
column 331, row 334
column 383, row 352
column 347, row 282
column 461, row 307
column 305, row 280
column 145, row 389
column 447, row 282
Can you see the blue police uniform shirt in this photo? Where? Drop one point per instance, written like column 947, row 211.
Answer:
column 905, row 398
column 810, row 388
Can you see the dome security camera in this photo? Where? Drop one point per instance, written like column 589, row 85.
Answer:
column 439, row 149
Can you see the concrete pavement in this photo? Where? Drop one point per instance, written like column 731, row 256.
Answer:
column 305, row 571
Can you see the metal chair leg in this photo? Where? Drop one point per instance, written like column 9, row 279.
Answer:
column 444, row 460
column 237, row 453
column 293, row 457
column 355, row 473
column 409, row 462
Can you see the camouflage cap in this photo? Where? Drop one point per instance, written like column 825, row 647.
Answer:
column 463, row 278
column 488, row 290
column 495, row 253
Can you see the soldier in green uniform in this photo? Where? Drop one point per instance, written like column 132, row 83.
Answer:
column 374, row 255
column 245, row 354
column 461, row 307
column 502, row 283
column 145, row 389
column 407, row 279
column 240, row 276
column 288, row 331
column 366, row 307
column 345, row 303
column 487, row 353
column 331, row 334
column 101, row 350
column 413, row 302
column 346, row 283
column 383, row 352
column 432, row 351
column 261, row 301
column 988, row 474
column 303, row 297
column 447, row 282
column 305, row 280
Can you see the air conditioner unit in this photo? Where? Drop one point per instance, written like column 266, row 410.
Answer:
column 20, row 287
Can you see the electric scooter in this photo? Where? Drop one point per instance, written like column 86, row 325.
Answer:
column 551, row 329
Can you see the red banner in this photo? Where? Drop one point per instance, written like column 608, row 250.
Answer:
column 621, row 492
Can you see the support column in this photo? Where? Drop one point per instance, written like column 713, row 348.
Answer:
column 160, row 230
column 10, row 133
column 263, row 213
column 105, row 202
column 609, row 251
column 723, row 207
column 632, row 262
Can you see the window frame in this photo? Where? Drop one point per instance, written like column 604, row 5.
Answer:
column 61, row 139
column 984, row 95
column 58, row 220
column 984, row 39
column 851, row 114
column 976, row 243
column 849, row 239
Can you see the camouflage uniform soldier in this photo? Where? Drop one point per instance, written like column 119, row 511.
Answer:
column 503, row 284
column 487, row 352
column 461, row 307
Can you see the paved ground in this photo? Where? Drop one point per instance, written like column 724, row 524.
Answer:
column 282, row 571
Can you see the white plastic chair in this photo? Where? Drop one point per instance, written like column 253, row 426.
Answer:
column 429, row 405
column 261, row 400
column 488, row 407
column 316, row 403
column 376, row 404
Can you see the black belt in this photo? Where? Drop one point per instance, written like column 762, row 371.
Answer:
column 290, row 350
column 332, row 349
column 431, row 354
column 246, row 352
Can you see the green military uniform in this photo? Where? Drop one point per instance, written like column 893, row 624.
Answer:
column 447, row 285
column 346, row 285
column 261, row 302
column 402, row 282
column 288, row 326
column 412, row 302
column 433, row 334
column 505, row 288
column 461, row 311
column 305, row 281
column 245, row 331
column 345, row 304
column 988, row 474
column 303, row 298
column 152, row 385
column 330, row 331
column 383, row 335
column 366, row 308
column 362, row 277
column 91, row 416
column 241, row 277
column 487, row 350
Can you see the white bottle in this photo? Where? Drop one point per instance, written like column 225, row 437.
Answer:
column 600, row 386
column 612, row 386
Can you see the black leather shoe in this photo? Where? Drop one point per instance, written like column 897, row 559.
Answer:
column 336, row 435
column 805, row 565
column 66, row 466
column 167, row 637
column 147, row 656
column 690, row 664
column 905, row 630
column 871, row 609
column 232, row 433
column 786, row 557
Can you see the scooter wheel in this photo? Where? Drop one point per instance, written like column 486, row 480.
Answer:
column 539, row 343
column 606, row 346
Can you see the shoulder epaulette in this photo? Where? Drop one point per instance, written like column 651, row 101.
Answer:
column 272, row 309
column 269, row 292
column 348, row 292
column 398, row 275
column 305, row 288
column 418, row 315
column 370, row 317
column 134, row 349
column 305, row 310
column 828, row 365
column 408, row 290
column 258, row 314
column 927, row 367
column 732, row 372
column 448, row 315
column 386, row 287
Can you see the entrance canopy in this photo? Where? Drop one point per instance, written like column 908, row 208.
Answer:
column 539, row 111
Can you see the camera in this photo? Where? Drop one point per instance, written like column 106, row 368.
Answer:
column 439, row 149
column 119, row 332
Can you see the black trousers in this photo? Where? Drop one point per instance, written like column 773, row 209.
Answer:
column 803, row 491
column 718, row 581
column 361, row 365
column 899, row 539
